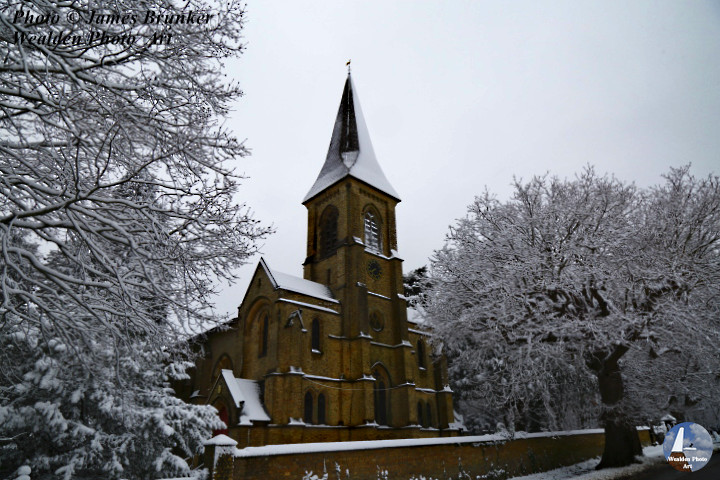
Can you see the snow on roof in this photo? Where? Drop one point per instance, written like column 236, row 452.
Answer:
column 297, row 284
column 252, row 409
column 246, row 394
column 234, row 388
column 350, row 152
column 308, row 305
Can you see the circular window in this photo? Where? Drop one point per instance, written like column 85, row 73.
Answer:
column 377, row 322
column 374, row 269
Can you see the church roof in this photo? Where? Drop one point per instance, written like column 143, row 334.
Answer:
column 246, row 394
column 350, row 153
column 297, row 284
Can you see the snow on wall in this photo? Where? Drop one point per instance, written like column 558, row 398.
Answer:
column 296, row 448
column 487, row 456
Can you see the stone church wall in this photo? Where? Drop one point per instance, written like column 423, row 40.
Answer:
column 484, row 457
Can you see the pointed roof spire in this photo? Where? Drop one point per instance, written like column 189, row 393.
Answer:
column 350, row 153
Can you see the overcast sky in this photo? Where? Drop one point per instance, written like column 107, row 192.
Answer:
column 460, row 95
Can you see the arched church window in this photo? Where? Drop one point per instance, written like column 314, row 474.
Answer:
column 264, row 334
column 308, row 410
column 372, row 231
column 223, row 364
column 315, row 335
column 328, row 230
column 421, row 419
column 321, row 410
column 428, row 415
column 421, row 354
column 382, row 389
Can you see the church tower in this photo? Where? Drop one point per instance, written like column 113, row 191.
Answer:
column 331, row 356
column 352, row 240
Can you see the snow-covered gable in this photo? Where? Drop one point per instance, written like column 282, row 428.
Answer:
column 351, row 152
column 233, row 387
column 246, row 394
column 297, row 284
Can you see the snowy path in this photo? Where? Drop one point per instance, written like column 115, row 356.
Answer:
column 649, row 468
column 586, row 470
column 651, row 462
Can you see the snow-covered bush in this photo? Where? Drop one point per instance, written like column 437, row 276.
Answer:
column 118, row 419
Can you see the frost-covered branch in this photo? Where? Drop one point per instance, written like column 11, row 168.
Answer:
column 118, row 219
column 586, row 273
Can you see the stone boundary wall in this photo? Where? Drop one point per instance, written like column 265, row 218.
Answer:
column 484, row 457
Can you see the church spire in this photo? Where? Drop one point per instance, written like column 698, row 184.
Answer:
column 350, row 153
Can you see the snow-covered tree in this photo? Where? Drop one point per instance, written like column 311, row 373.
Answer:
column 117, row 222
column 415, row 283
column 587, row 279
column 117, row 419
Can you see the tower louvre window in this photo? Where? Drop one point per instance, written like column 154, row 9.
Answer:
column 421, row 355
column 328, row 230
column 372, row 232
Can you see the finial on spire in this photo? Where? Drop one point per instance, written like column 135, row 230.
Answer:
column 348, row 65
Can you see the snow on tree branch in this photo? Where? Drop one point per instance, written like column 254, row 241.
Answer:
column 582, row 275
column 118, row 219
column 115, row 164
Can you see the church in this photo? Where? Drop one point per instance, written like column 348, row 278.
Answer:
column 331, row 356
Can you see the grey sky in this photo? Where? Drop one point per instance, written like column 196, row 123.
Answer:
column 458, row 95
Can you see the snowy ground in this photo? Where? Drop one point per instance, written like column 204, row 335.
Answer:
column 579, row 471
column 586, row 470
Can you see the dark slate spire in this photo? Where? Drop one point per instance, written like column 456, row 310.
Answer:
column 350, row 152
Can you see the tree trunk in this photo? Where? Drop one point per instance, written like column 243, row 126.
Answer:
column 622, row 442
